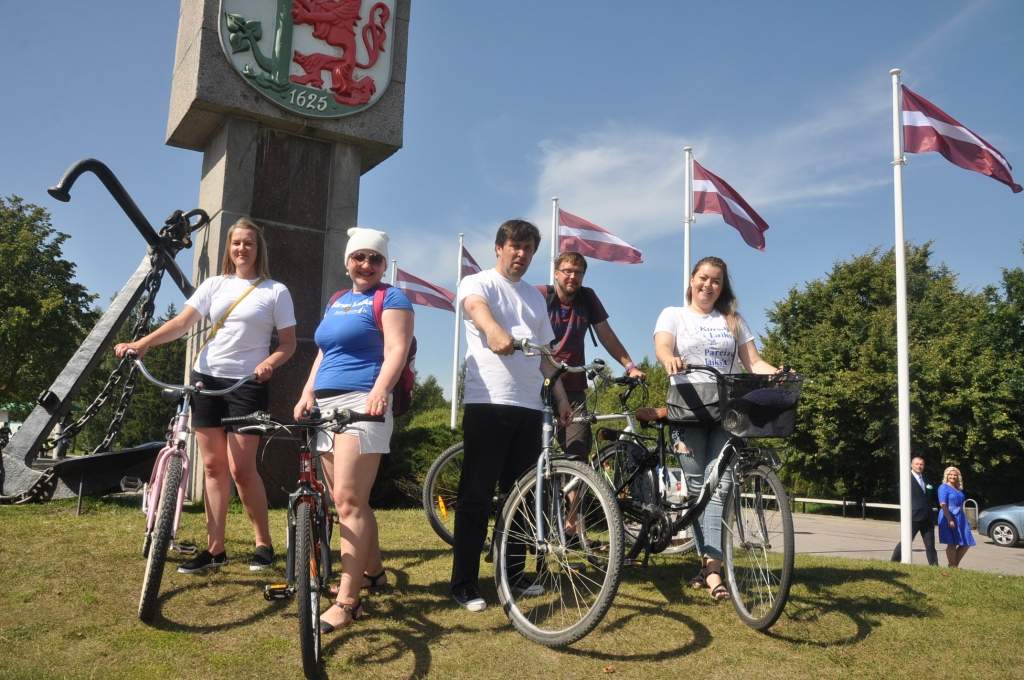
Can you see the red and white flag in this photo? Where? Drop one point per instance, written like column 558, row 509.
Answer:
column 926, row 127
column 424, row 293
column 469, row 265
column 712, row 194
column 586, row 238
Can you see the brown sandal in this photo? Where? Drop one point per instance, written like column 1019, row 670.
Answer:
column 355, row 612
column 375, row 584
column 699, row 581
column 719, row 592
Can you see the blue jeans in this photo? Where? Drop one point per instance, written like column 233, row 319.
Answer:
column 704, row 443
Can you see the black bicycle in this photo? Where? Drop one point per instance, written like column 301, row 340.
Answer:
column 308, row 563
column 757, row 534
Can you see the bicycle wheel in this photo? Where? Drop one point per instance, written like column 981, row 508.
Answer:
column 757, row 542
column 307, row 589
column 557, row 591
column 440, row 492
column 161, row 539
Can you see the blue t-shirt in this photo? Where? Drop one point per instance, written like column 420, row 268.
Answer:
column 353, row 347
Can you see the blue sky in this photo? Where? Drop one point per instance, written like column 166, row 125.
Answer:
column 509, row 104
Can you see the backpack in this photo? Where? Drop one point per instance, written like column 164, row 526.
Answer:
column 402, row 392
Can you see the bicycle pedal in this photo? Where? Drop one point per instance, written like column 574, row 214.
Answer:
column 277, row 591
column 184, row 547
column 131, row 484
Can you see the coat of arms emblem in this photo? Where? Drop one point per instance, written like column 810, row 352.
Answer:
column 317, row 58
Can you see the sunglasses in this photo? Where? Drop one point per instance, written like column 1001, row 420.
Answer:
column 374, row 258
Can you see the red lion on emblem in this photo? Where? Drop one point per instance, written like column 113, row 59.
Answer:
column 334, row 22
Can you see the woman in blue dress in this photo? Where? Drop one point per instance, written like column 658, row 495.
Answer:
column 954, row 531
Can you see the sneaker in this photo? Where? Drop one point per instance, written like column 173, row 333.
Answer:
column 204, row 561
column 469, row 598
column 522, row 587
column 262, row 558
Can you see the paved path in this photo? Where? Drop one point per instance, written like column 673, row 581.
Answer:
column 874, row 540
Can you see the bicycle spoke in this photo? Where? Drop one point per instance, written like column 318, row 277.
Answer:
column 758, row 541
column 578, row 578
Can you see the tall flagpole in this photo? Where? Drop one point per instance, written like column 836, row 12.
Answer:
column 554, row 239
column 902, row 353
column 458, row 337
column 687, row 215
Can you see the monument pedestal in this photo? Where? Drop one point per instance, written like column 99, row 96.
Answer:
column 296, row 176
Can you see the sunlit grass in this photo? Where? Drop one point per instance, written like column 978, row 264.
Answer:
column 67, row 609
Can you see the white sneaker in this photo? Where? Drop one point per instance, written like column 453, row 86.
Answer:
column 469, row 598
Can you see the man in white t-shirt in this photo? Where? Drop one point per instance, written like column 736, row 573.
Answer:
column 502, row 415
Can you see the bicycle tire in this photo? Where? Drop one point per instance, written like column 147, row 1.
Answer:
column 757, row 544
column 326, row 563
column 440, row 492
column 579, row 576
column 307, row 590
column 161, row 539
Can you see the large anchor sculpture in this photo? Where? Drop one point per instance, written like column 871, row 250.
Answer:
column 20, row 480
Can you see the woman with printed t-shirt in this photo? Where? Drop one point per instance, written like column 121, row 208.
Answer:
column 360, row 360
column 245, row 306
column 707, row 331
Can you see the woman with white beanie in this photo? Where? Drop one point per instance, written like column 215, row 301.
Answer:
column 360, row 360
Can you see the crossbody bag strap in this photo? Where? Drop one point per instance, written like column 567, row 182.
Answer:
column 224, row 317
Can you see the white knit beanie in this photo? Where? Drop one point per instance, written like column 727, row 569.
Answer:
column 363, row 238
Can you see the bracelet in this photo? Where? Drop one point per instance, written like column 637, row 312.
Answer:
column 630, row 366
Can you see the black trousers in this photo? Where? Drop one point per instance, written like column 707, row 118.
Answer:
column 925, row 527
column 499, row 444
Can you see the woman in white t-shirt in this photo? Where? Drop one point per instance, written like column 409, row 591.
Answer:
column 240, row 346
column 707, row 331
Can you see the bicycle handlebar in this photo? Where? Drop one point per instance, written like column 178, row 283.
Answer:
column 195, row 389
column 531, row 349
column 337, row 417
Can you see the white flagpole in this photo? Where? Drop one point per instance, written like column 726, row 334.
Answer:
column 554, row 239
column 687, row 215
column 902, row 353
column 394, row 269
column 458, row 337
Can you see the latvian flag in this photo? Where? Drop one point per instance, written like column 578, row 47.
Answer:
column 469, row 265
column 712, row 194
column 926, row 127
column 586, row 238
column 424, row 293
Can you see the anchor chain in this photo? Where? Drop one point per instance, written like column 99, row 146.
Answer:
column 175, row 235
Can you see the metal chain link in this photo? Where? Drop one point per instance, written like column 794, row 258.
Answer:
column 124, row 371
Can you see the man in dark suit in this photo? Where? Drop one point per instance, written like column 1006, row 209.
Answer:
column 922, row 512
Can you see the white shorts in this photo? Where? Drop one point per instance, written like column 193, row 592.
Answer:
column 373, row 437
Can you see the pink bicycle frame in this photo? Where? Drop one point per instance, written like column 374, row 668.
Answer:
column 175, row 446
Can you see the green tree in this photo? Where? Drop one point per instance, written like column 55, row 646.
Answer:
column 840, row 332
column 45, row 313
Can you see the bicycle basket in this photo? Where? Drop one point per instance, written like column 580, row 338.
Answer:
column 761, row 405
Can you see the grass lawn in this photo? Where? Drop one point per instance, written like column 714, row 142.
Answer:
column 71, row 585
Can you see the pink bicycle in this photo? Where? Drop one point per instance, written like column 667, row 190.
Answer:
column 164, row 494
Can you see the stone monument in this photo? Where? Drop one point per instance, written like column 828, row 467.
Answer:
column 290, row 101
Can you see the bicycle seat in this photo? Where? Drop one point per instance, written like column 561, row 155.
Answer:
column 649, row 414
